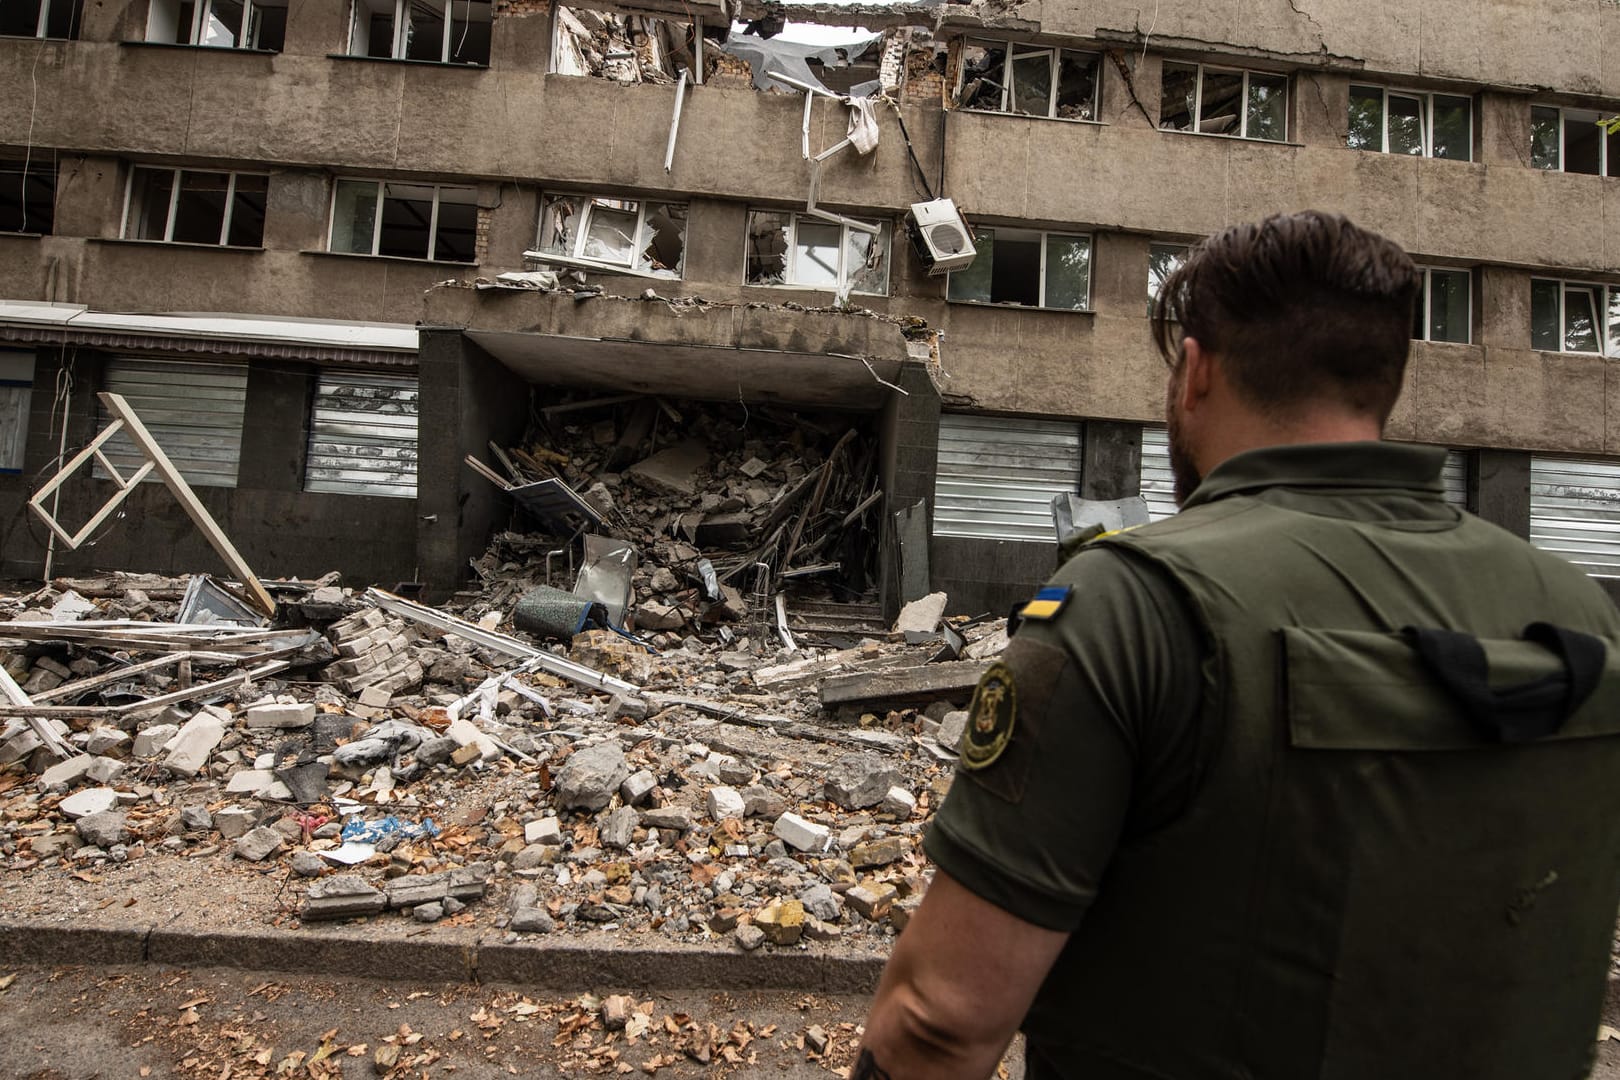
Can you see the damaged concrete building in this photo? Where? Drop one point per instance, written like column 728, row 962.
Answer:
column 330, row 250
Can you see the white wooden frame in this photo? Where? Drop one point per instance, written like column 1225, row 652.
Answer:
column 1016, row 50
column 174, row 202
column 790, row 257
column 401, row 41
column 1243, row 106
column 1425, row 99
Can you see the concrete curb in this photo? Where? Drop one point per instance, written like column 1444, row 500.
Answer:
column 542, row 964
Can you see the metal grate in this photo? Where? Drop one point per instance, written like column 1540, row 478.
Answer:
column 997, row 475
column 193, row 410
column 362, row 435
column 1454, row 475
column 1575, row 511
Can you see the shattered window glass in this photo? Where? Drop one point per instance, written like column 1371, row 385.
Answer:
column 983, row 75
column 559, row 214
column 150, row 195
column 1544, row 138
column 1068, row 272
column 796, row 249
column 1366, row 119
column 424, row 30
column 1453, row 128
column 624, row 234
column 184, row 206
column 1077, row 85
column 247, row 211
column 663, row 239
column 866, row 261
column 1220, row 106
column 767, row 247
column 610, row 233
column 407, row 211
column 1544, row 315
column 1032, row 82
column 1405, row 125
column 1178, row 97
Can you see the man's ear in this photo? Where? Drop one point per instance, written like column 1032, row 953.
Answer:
column 1197, row 374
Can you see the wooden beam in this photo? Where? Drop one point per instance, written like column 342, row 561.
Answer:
column 189, row 502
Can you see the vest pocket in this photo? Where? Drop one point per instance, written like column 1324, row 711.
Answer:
column 1371, row 690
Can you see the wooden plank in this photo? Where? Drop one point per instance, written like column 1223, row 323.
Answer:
column 952, row 681
column 189, row 502
column 17, row 698
column 175, row 697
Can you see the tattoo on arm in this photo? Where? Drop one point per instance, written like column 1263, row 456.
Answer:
column 867, row 1068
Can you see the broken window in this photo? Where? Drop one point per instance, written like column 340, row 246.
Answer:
column 40, row 18
column 362, row 435
column 632, row 48
column 1408, row 122
column 1444, row 312
column 221, row 24
column 812, row 251
column 1163, row 260
column 27, row 197
column 406, row 221
column 1027, row 268
column 1027, row 80
column 16, row 391
column 189, row 206
column 1572, row 140
column 433, row 31
column 1219, row 101
column 1573, row 316
column 627, row 235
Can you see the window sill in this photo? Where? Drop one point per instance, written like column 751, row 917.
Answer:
column 24, row 235
column 1020, row 307
column 390, row 258
column 32, row 37
column 1414, row 157
column 174, row 244
column 1458, row 344
column 136, row 44
column 412, row 63
column 803, row 289
column 1231, row 138
column 1029, row 116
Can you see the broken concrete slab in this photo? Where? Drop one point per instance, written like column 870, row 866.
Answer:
column 673, row 470
column 589, row 778
column 802, row 835
column 82, row 804
column 188, row 751
column 280, row 715
column 342, row 896
column 102, row 830
column 259, row 844
column 922, row 616
column 859, row 781
column 66, row 773
column 151, row 740
column 953, row 681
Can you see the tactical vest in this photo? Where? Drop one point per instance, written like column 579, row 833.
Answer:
column 1370, row 884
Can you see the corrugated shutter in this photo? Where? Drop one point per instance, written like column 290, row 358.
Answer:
column 193, row 410
column 1575, row 511
column 1158, row 483
column 362, row 435
column 1454, row 475
column 997, row 475
column 16, row 390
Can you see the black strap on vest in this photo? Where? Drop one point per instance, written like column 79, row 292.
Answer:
column 1514, row 714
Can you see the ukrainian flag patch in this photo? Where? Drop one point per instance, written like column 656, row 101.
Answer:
column 1047, row 603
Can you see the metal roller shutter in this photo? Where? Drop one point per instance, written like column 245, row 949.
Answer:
column 193, row 410
column 997, row 475
column 1575, row 511
column 16, row 390
column 362, row 435
column 1159, row 485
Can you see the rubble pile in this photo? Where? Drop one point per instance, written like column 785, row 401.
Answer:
column 405, row 760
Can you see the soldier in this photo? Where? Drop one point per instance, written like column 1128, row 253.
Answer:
column 1318, row 778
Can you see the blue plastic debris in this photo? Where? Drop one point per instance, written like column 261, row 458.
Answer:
column 369, row 832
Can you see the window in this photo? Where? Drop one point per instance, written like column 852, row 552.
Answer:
column 1216, row 101
column 628, row 235
column 362, row 435
column 41, row 18
column 1163, row 260
column 193, row 410
column 415, row 221
column 220, row 24
column 27, row 197
column 434, row 31
column 1445, row 310
column 814, row 252
column 1570, row 140
column 187, row 206
column 1405, row 122
column 16, row 389
column 1027, row 80
column 1572, row 316
column 1028, row 268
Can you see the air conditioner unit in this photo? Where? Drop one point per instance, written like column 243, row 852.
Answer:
column 940, row 235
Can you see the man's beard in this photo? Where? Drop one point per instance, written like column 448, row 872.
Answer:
column 1182, row 468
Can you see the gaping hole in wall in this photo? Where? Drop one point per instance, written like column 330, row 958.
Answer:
column 431, row 31
column 627, row 48
column 626, row 235
column 27, row 197
column 221, row 24
column 1029, row 80
column 189, row 206
column 1026, row 268
column 41, row 18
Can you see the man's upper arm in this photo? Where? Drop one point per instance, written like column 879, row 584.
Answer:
column 1105, row 702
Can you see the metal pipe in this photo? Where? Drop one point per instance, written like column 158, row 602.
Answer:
column 675, row 121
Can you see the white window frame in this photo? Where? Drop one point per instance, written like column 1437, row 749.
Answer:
column 845, row 225
column 1427, row 303
column 1054, row 60
column 1426, row 97
column 401, row 43
column 1563, row 123
column 377, row 224
column 174, row 200
column 577, row 257
column 1606, row 297
column 1045, row 234
column 42, row 23
column 1243, row 112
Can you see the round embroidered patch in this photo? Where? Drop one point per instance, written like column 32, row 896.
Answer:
column 990, row 718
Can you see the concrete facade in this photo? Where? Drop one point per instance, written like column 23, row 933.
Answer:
column 98, row 106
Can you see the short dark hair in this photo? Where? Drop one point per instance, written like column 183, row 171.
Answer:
column 1302, row 309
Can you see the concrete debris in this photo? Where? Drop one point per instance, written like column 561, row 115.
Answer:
column 921, row 616
column 188, row 751
column 259, row 844
column 858, row 781
column 103, row 830
column 591, row 776
column 89, row 801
